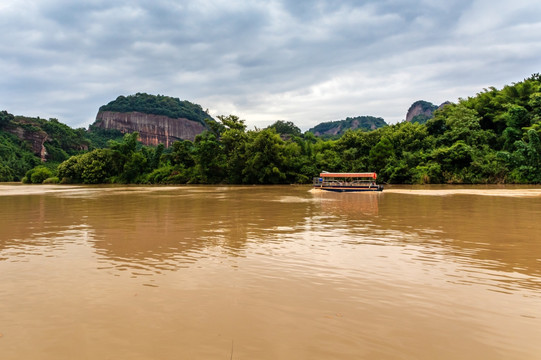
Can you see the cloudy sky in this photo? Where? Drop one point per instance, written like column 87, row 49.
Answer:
column 294, row 60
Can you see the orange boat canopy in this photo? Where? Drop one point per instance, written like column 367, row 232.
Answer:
column 372, row 175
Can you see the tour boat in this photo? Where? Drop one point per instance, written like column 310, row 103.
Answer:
column 347, row 182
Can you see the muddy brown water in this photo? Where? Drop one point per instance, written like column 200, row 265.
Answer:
column 269, row 272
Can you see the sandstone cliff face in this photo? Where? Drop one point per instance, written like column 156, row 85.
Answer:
column 420, row 111
column 35, row 137
column 339, row 127
column 153, row 129
column 420, row 108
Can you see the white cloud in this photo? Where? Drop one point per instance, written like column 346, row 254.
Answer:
column 305, row 62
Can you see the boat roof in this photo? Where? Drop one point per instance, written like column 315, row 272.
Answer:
column 372, row 175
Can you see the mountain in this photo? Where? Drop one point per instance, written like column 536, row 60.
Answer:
column 421, row 111
column 339, row 127
column 157, row 118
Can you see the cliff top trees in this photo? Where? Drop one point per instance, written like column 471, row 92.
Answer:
column 286, row 128
column 5, row 118
column 158, row 105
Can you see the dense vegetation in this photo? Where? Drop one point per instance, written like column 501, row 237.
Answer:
column 333, row 129
column 15, row 158
column 158, row 105
column 493, row 137
column 60, row 142
column 286, row 128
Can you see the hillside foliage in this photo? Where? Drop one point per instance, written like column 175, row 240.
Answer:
column 61, row 142
column 16, row 157
column 493, row 137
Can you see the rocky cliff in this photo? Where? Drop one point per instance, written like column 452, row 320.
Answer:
column 153, row 129
column 29, row 133
column 339, row 127
column 421, row 111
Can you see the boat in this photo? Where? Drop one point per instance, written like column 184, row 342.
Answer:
column 347, row 182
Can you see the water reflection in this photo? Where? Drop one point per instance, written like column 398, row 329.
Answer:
column 499, row 231
column 490, row 240
column 351, row 204
column 153, row 229
column 37, row 224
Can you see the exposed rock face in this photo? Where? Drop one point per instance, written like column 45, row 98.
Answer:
column 153, row 129
column 420, row 107
column 339, row 127
column 331, row 131
column 444, row 104
column 34, row 136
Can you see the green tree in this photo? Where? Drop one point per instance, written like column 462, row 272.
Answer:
column 6, row 174
column 286, row 128
column 5, row 118
column 381, row 154
column 209, row 157
column 133, row 167
column 264, row 158
column 37, row 175
column 40, row 174
column 95, row 167
column 462, row 124
column 430, row 173
column 16, row 157
column 234, row 140
column 453, row 160
column 526, row 159
column 98, row 166
column 182, row 153
column 127, row 146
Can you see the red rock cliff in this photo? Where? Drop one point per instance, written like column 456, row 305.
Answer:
column 153, row 129
column 419, row 109
column 35, row 136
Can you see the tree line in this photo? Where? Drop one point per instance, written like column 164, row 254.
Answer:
column 493, row 137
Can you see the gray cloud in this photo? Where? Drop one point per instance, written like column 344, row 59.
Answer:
column 303, row 61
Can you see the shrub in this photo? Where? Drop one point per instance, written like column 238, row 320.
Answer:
column 37, row 175
column 52, row 180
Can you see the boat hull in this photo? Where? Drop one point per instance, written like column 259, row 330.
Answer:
column 350, row 188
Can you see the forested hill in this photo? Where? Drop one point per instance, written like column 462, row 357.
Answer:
column 421, row 111
column 493, row 137
column 158, row 105
column 339, row 127
column 26, row 142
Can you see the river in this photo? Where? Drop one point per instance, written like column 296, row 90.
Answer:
column 269, row 272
